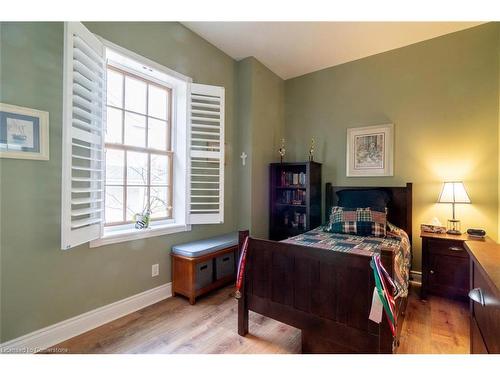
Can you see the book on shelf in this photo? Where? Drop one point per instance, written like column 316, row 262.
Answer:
column 295, row 197
column 293, row 179
column 295, row 220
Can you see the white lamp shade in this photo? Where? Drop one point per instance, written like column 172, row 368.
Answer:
column 453, row 192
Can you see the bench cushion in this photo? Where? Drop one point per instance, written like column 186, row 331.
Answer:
column 210, row 245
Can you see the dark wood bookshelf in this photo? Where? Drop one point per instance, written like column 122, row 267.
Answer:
column 295, row 205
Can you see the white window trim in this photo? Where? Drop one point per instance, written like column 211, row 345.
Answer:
column 122, row 234
column 128, row 232
column 143, row 60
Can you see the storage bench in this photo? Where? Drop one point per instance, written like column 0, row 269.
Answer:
column 201, row 266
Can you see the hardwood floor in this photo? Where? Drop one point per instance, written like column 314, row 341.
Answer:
column 173, row 326
column 435, row 326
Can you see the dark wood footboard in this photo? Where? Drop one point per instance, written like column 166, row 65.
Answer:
column 326, row 294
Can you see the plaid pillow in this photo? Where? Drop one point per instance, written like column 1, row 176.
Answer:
column 358, row 221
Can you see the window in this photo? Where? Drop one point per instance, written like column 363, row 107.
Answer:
column 137, row 136
column 138, row 149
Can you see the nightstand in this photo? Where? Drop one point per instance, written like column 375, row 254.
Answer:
column 445, row 265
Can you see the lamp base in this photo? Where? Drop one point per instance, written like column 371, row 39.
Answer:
column 453, row 227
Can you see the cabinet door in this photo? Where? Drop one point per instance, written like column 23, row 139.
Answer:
column 477, row 345
column 487, row 316
column 448, row 275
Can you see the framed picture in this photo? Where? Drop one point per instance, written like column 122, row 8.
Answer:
column 370, row 151
column 24, row 133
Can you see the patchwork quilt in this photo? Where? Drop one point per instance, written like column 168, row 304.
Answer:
column 396, row 241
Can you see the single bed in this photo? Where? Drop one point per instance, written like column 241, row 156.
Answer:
column 323, row 284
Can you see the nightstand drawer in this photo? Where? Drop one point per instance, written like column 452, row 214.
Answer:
column 448, row 248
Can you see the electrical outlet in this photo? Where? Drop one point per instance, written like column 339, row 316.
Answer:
column 155, row 270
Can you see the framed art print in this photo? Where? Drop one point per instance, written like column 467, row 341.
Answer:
column 370, row 151
column 24, row 133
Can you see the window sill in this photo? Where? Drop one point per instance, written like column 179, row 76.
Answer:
column 131, row 234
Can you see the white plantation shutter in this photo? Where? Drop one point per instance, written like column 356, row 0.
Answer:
column 83, row 136
column 206, row 154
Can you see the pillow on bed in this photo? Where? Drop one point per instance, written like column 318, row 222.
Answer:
column 376, row 198
column 358, row 221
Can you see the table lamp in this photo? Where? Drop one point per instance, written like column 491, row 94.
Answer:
column 453, row 192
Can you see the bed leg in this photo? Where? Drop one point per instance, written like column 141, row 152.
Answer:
column 305, row 343
column 242, row 317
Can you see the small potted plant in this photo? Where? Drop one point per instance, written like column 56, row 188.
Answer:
column 142, row 220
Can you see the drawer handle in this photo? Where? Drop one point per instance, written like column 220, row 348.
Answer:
column 431, row 272
column 477, row 296
column 203, row 267
column 455, row 248
column 225, row 259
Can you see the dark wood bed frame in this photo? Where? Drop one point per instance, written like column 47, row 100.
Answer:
column 326, row 294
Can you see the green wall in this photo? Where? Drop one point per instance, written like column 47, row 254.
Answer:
column 442, row 96
column 40, row 283
column 268, row 129
column 261, row 126
column 243, row 183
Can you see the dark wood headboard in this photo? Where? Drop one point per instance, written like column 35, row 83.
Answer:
column 399, row 209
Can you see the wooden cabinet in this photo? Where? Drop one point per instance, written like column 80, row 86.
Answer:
column 477, row 345
column 445, row 265
column 448, row 275
column 194, row 277
column 295, row 199
column 484, row 297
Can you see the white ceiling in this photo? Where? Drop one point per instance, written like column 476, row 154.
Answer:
column 291, row 49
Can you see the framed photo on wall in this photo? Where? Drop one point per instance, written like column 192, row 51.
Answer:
column 370, row 151
column 24, row 133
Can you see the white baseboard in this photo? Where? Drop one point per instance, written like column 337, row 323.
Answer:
column 416, row 277
column 49, row 336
